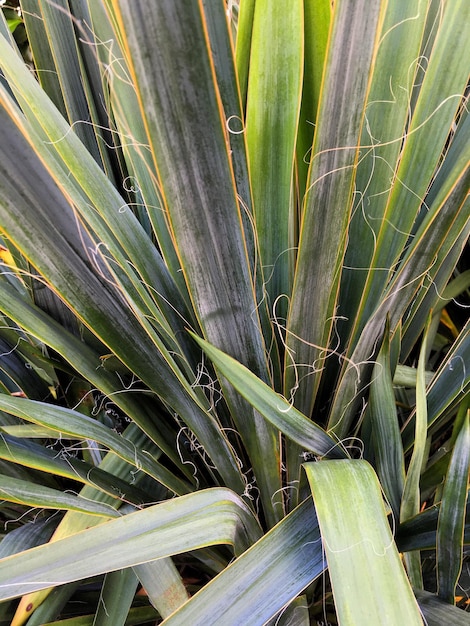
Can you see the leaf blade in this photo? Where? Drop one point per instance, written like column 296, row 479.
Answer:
column 450, row 528
column 351, row 548
column 281, row 568
column 187, row 125
column 272, row 406
column 327, row 204
column 52, row 564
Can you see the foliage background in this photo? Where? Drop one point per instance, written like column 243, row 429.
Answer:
column 290, row 186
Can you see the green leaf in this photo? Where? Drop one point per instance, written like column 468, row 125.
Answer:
column 129, row 204
column 86, row 360
column 451, row 524
column 94, row 195
column 192, row 192
column 366, row 573
column 215, row 18
column 13, row 23
column 440, row 225
column 51, row 607
column 443, row 228
column 273, row 105
column 136, row 616
column 451, row 380
column 272, row 406
column 243, row 47
column 52, row 29
column 442, row 267
column 163, row 584
column 142, row 536
column 425, row 136
column 131, row 137
column 436, row 612
column 327, row 205
column 24, row 492
column 296, row 614
column 317, row 17
column 14, row 365
column 385, row 119
column 389, row 457
column 411, row 501
column 73, row 522
column 76, row 425
column 281, row 564
column 449, row 385
column 92, row 293
column 201, row 200
column 42, row 54
column 38, row 457
column 116, row 597
column 419, row 532
column 27, row 536
column 405, row 376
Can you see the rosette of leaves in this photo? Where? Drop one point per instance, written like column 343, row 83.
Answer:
column 234, row 337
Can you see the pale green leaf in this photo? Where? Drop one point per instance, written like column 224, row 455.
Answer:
column 411, row 502
column 365, row 569
column 73, row 522
column 163, row 585
column 273, row 106
column 268, row 576
column 142, row 536
column 116, row 597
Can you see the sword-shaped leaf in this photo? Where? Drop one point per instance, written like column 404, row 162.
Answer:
column 366, row 572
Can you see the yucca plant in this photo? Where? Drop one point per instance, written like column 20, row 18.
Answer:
column 235, row 349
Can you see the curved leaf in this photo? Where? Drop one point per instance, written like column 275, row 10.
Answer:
column 74, row 424
column 268, row 576
column 215, row 516
column 38, row 457
column 272, row 406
